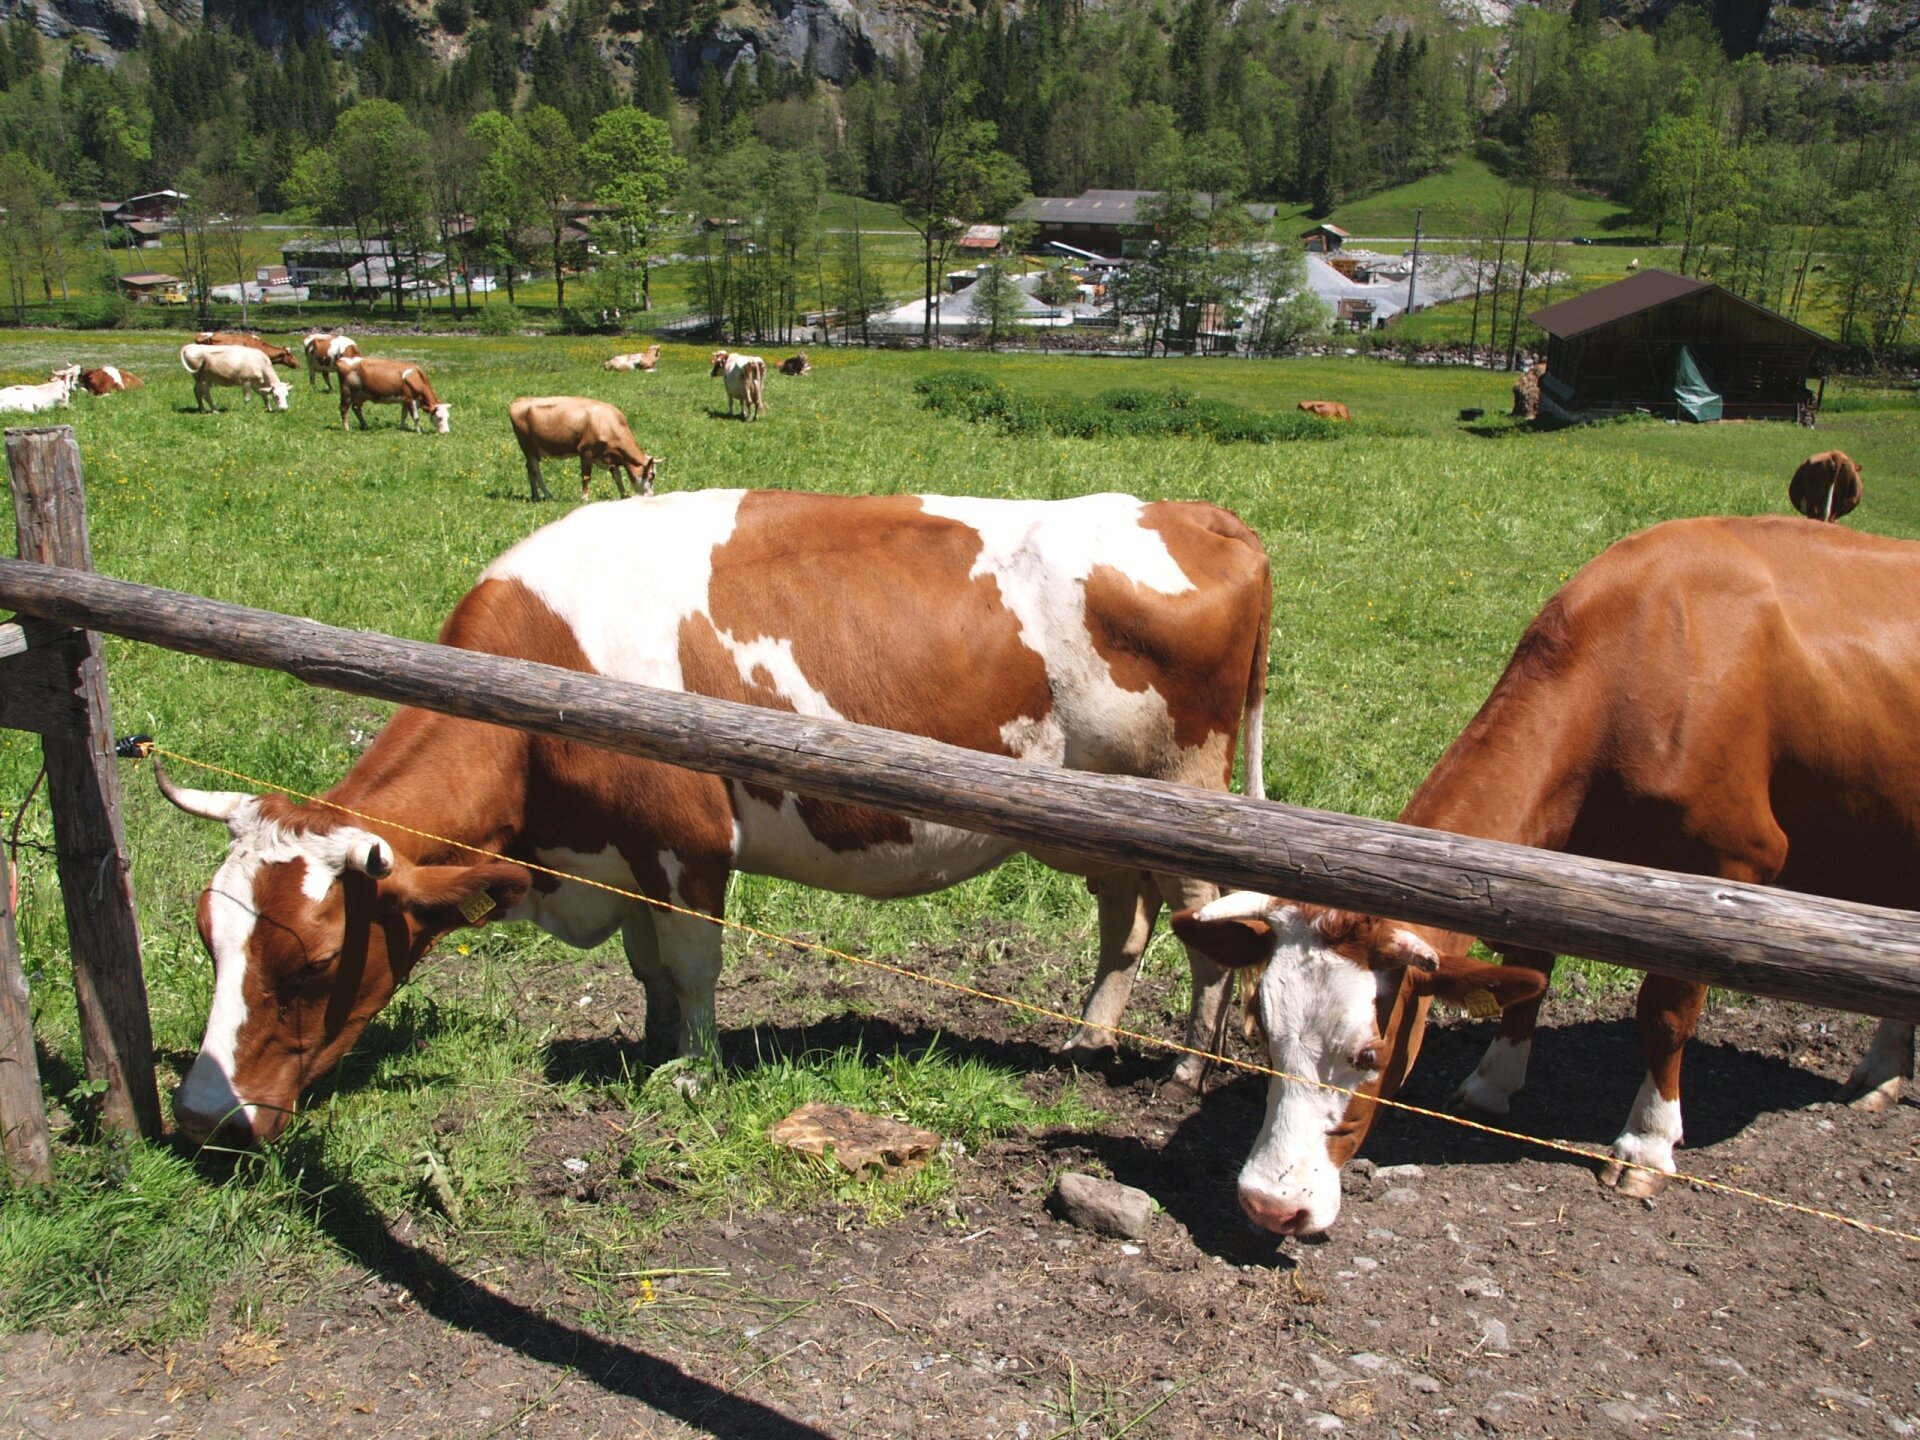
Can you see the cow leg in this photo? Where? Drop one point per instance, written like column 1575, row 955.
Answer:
column 1212, row 987
column 1502, row 1071
column 663, row 1005
column 1667, row 1012
column 536, row 487
column 586, row 479
column 690, row 954
column 1126, row 917
column 1883, row 1071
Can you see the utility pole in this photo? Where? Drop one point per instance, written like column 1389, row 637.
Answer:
column 1413, row 275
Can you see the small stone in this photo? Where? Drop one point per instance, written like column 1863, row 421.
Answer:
column 1400, row 1195
column 1425, row 1384
column 1495, row 1332
column 574, row 1165
column 1368, row 1361
column 1400, row 1174
column 1103, row 1206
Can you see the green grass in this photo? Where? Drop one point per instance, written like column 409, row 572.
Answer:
column 1408, row 553
column 1455, row 201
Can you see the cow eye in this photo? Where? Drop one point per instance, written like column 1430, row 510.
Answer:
column 1367, row 1058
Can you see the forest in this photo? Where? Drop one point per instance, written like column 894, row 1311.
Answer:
column 518, row 117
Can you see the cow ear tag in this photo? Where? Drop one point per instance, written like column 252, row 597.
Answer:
column 1480, row 1004
column 477, row 906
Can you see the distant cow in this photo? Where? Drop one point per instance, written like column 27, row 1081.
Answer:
column 796, row 365
column 387, row 382
column 636, row 360
column 251, row 370
column 1633, row 264
column 278, row 354
column 1826, row 486
column 746, row 380
column 58, row 390
column 324, row 351
column 106, row 379
column 1526, row 391
column 1326, row 409
column 553, row 427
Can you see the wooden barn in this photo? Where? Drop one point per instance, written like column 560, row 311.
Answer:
column 1662, row 343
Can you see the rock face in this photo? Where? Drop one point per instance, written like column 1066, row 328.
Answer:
column 848, row 38
column 1837, row 31
column 117, row 23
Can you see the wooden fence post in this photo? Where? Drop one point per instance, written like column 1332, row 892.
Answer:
column 23, row 1111
column 83, row 793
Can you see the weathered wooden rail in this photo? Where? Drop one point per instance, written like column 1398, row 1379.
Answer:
column 1742, row 937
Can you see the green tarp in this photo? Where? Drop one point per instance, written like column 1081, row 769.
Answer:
column 1696, row 398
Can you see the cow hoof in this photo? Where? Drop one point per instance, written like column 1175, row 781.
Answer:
column 1879, row 1099
column 1472, row 1099
column 1089, row 1052
column 1632, row 1181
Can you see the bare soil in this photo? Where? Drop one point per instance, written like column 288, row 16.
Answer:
column 1496, row 1289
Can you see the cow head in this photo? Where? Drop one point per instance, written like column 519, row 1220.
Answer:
column 649, row 467
column 281, row 390
column 440, row 414
column 280, row 355
column 719, row 362
column 1340, row 1001
column 311, row 924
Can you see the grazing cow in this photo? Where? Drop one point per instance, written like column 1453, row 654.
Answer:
column 1725, row 697
column 1633, row 264
column 324, row 351
column 251, row 370
column 58, row 390
column 1326, row 409
column 746, row 380
column 1827, row 485
column 1526, row 391
column 553, row 427
column 796, row 365
column 645, row 359
column 279, row 354
column 1102, row 632
column 387, row 382
column 105, row 379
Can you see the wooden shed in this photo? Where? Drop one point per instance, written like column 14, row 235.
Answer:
column 1662, row 343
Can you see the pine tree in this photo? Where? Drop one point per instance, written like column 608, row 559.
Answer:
column 653, row 78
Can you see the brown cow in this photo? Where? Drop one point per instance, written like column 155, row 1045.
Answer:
column 278, row 354
column 387, row 382
column 1526, row 392
column 324, row 350
column 645, row 359
column 555, row 426
column 1826, row 486
column 1326, row 409
column 989, row 624
column 1725, row 697
column 796, row 365
column 105, row 379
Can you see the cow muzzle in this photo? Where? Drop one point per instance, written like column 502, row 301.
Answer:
column 1280, row 1215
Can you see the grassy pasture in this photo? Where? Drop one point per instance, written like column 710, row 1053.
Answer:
column 1408, row 554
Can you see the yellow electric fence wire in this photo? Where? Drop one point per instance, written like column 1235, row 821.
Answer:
column 1562, row 1146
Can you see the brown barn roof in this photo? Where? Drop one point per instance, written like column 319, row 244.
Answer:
column 1648, row 290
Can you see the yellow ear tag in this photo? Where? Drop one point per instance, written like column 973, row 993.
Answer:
column 1480, row 1004
column 477, row 906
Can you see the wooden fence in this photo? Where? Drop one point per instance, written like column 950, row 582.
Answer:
column 1743, row 937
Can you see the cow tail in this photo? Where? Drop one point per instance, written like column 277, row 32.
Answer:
column 1254, row 721
column 185, row 366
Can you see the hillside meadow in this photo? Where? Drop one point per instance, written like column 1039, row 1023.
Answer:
column 1409, row 550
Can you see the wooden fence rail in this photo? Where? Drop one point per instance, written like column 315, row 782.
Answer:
column 1744, row 937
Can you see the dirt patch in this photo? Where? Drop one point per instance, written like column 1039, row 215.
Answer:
column 1494, row 1289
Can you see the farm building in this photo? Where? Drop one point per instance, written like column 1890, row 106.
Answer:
column 1324, row 239
column 1660, row 342
column 154, row 288
column 1102, row 222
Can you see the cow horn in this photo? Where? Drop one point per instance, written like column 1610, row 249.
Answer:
column 1241, row 905
column 220, row 805
column 370, row 856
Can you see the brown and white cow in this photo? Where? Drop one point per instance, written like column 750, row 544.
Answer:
column 1724, row 697
column 387, row 382
column 745, row 377
column 556, row 427
column 1102, row 632
column 324, row 350
column 1827, row 485
column 1326, row 409
column 105, row 379
column 240, row 365
column 796, row 365
column 278, row 354
column 645, row 359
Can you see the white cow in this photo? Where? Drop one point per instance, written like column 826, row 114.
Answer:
column 251, row 370
column 57, row 391
column 746, row 381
